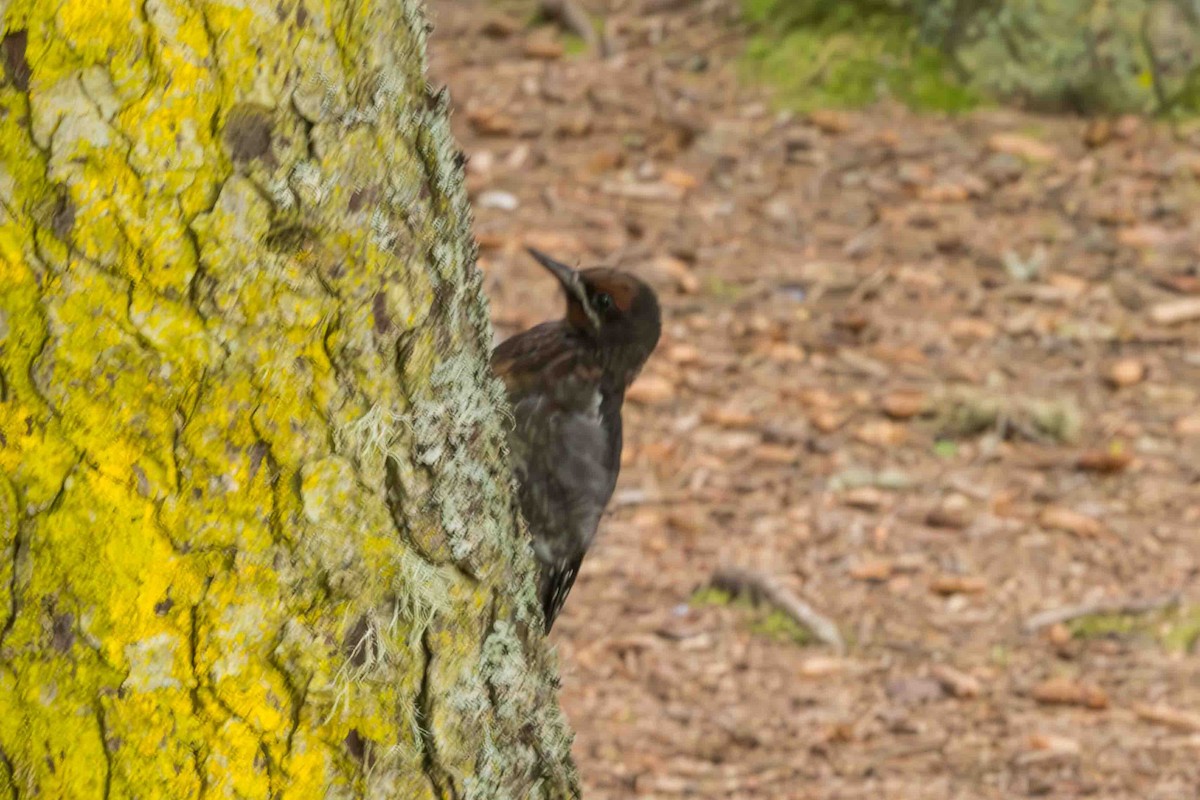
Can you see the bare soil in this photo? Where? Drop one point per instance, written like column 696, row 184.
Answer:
column 934, row 376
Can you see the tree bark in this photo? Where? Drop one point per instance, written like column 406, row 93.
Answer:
column 256, row 538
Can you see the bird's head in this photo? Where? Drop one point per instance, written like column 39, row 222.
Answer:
column 615, row 310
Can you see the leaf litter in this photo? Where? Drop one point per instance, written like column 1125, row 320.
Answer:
column 937, row 376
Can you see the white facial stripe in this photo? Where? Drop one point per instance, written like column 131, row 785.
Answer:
column 580, row 292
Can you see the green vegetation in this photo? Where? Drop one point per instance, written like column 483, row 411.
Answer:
column 968, row 413
column 768, row 622
column 951, row 55
column 1108, row 626
column 1174, row 629
column 574, row 45
column 822, row 54
column 718, row 287
column 945, row 448
column 1181, row 634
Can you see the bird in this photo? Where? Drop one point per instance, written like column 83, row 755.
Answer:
column 566, row 382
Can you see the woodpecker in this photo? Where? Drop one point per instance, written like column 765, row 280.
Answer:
column 566, row 382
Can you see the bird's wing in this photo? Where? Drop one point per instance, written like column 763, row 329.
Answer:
column 554, row 584
column 563, row 450
column 546, row 361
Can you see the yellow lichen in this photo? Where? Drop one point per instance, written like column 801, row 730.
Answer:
column 212, row 463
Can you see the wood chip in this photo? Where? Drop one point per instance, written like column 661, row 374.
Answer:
column 676, row 270
column 605, row 160
column 1144, row 236
column 691, row 521
column 893, row 354
column 1176, row 312
column 490, row 241
column 776, row 454
column 1188, row 425
column 1059, row 635
column 652, row 192
column 574, row 125
column 1065, row 519
column 954, row 512
column 912, row 691
column 1126, row 372
column 1183, row 284
column 827, row 421
column 852, row 320
column 1127, row 125
column 821, row 399
column 730, row 417
column 681, row 353
column 1053, row 743
column 971, row 328
column 944, row 193
column 500, row 26
column 881, row 433
column 680, row 179
column 1065, row 691
column 904, row 404
column 491, row 122
column 785, row 352
column 866, row 498
column 1072, row 285
column 1098, row 132
column 543, row 47
column 1186, row 721
column 958, row 584
column 651, row 390
column 957, row 683
column 1103, row 461
column 831, row 121
column 873, row 571
column 1026, row 147
column 822, row 666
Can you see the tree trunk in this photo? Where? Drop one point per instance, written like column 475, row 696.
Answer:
column 256, row 538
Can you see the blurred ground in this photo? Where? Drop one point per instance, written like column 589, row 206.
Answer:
column 934, row 376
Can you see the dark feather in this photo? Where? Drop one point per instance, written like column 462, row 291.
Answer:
column 566, row 382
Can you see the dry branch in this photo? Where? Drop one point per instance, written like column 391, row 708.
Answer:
column 1055, row 616
column 571, row 16
column 739, row 581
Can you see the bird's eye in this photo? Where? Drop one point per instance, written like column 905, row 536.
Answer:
column 602, row 301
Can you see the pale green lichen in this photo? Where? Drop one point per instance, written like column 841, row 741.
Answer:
column 152, row 663
column 444, row 425
column 509, row 674
column 506, row 670
column 311, row 187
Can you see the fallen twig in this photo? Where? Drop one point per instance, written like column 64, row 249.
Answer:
column 758, row 587
column 571, row 16
column 1134, row 605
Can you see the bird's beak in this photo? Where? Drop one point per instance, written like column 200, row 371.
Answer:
column 570, row 281
column 566, row 276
